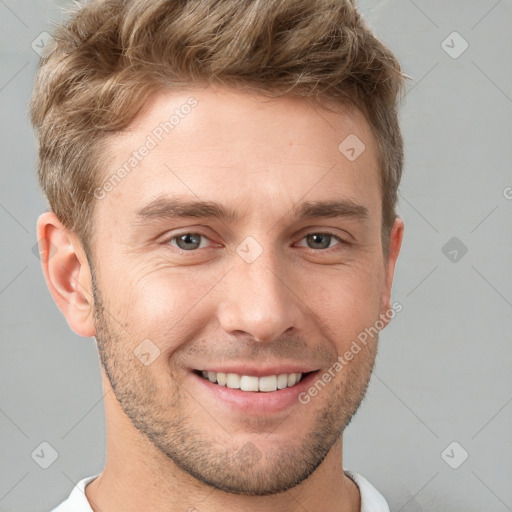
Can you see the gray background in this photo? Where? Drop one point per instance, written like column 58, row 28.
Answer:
column 443, row 372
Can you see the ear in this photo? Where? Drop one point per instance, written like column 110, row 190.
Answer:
column 67, row 273
column 395, row 242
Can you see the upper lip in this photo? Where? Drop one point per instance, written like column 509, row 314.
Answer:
column 258, row 371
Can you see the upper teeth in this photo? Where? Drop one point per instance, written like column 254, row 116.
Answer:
column 251, row 383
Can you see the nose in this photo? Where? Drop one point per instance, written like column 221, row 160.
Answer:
column 260, row 300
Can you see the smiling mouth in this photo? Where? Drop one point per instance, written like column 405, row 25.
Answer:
column 251, row 383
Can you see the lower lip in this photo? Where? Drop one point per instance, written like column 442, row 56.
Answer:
column 257, row 402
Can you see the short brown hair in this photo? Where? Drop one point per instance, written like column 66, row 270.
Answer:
column 111, row 55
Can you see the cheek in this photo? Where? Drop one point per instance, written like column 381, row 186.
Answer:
column 171, row 306
column 347, row 303
column 164, row 306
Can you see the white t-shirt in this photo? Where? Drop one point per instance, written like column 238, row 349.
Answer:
column 371, row 499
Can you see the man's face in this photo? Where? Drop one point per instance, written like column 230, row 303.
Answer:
column 278, row 288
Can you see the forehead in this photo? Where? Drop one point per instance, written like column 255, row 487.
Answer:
column 253, row 153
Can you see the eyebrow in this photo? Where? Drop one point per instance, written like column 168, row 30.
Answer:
column 164, row 207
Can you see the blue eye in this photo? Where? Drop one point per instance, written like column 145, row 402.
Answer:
column 188, row 241
column 321, row 240
column 191, row 241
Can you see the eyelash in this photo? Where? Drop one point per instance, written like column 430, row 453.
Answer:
column 328, row 233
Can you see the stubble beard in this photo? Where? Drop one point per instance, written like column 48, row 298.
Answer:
column 242, row 468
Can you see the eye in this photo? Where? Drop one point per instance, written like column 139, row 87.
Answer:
column 322, row 240
column 188, row 241
column 192, row 241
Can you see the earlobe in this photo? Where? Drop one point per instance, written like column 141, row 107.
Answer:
column 67, row 273
column 395, row 243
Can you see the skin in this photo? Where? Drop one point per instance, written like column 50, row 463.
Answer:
column 170, row 444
